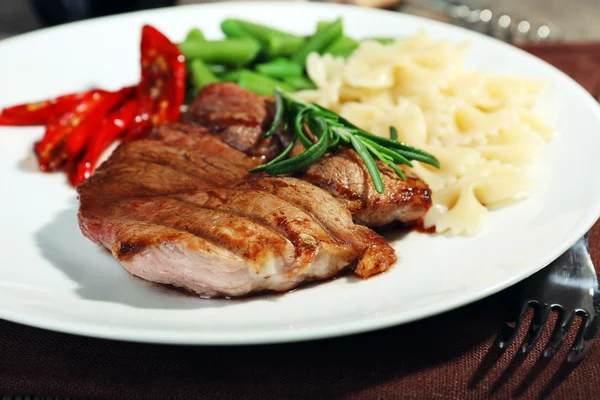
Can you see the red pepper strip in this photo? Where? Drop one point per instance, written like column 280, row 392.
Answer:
column 179, row 74
column 40, row 113
column 141, row 124
column 77, row 140
column 58, row 128
column 111, row 128
column 166, row 65
column 65, row 136
column 162, row 88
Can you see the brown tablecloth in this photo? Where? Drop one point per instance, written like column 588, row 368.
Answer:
column 450, row 356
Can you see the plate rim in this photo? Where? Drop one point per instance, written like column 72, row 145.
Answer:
column 591, row 216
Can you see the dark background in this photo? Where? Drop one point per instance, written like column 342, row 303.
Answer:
column 19, row 16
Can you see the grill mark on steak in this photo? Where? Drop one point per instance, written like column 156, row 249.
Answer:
column 310, row 222
column 237, row 235
column 290, row 221
column 188, row 198
column 277, row 186
column 376, row 254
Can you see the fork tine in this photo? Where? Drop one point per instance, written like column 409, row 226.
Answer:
column 538, row 323
column 509, row 332
column 584, row 340
column 579, row 342
column 563, row 324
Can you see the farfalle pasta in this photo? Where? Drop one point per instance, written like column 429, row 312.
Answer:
column 481, row 127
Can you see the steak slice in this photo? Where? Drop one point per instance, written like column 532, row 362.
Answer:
column 239, row 117
column 173, row 162
column 182, row 209
column 345, row 175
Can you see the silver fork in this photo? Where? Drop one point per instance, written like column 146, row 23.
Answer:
column 489, row 20
column 568, row 285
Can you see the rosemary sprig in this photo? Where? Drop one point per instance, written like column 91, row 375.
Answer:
column 330, row 131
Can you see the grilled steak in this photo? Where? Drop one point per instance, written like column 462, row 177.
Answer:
column 181, row 209
column 345, row 175
column 173, row 163
column 237, row 116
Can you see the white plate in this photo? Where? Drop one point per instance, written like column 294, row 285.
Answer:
column 52, row 277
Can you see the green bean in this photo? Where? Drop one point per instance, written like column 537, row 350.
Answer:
column 195, row 35
column 280, row 68
column 300, row 82
column 344, row 46
column 228, row 52
column 232, row 76
column 260, row 32
column 201, row 74
column 281, row 46
column 217, row 69
column 345, row 52
column 261, row 84
column 319, row 41
column 276, row 42
column 234, row 30
column 393, row 134
column 322, row 25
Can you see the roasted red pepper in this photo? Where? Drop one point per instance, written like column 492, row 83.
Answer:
column 80, row 126
column 66, row 135
column 162, row 88
column 41, row 112
column 77, row 140
column 110, row 129
column 60, row 127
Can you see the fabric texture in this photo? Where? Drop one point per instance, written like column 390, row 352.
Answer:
column 450, row 356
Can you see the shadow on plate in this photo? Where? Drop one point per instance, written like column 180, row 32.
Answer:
column 101, row 278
